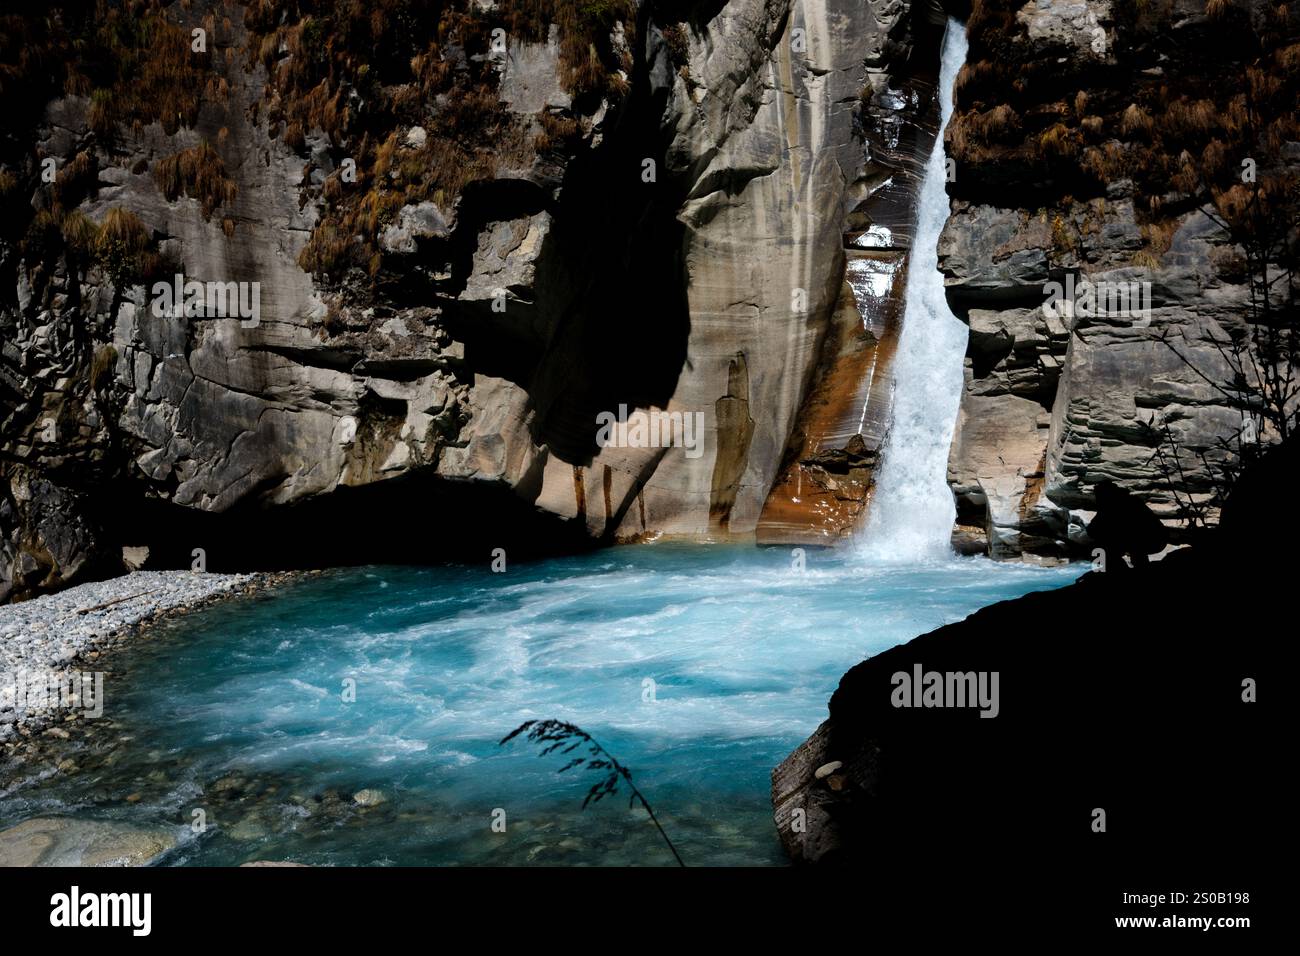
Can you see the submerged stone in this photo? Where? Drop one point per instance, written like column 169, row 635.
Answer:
column 58, row 841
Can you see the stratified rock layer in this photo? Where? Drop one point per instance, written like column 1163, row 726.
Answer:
column 1095, row 173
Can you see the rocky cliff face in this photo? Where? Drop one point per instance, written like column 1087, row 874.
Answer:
column 466, row 246
column 471, row 229
column 1104, row 142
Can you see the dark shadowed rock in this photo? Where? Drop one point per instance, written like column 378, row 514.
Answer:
column 1121, row 692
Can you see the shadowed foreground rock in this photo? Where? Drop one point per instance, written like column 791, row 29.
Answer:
column 1122, row 692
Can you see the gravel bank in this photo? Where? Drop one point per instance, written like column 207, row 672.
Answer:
column 44, row 643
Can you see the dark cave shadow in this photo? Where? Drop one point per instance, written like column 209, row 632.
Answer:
column 405, row 520
column 610, row 322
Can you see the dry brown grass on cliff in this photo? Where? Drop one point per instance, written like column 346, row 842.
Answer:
column 988, row 77
column 587, row 58
column 1222, row 102
column 991, row 17
column 327, row 252
column 1214, row 158
column 197, row 172
column 101, row 366
column 122, row 230
column 1190, row 118
column 982, row 83
column 677, row 44
column 130, row 58
column 156, row 76
column 1159, row 236
column 1188, row 178
column 392, row 175
column 557, row 132
column 52, row 232
column 294, row 137
column 1066, row 237
column 398, row 175
column 103, row 115
column 1244, row 205
column 80, row 234
column 1106, row 162
column 396, row 53
column 999, row 123
column 1217, row 9
column 1288, row 60
column 124, row 248
column 1136, row 122
column 972, row 133
column 1201, row 141
column 42, row 240
column 76, row 179
column 1058, row 142
column 413, row 63
column 376, row 209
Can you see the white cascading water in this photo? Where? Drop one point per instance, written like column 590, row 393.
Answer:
column 912, row 510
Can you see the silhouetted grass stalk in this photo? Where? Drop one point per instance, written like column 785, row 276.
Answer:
column 558, row 735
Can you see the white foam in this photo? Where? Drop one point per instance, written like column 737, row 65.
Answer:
column 913, row 511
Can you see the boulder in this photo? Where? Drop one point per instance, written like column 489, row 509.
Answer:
column 1080, row 725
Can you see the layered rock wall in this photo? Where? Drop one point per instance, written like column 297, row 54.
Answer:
column 1095, row 142
column 668, row 239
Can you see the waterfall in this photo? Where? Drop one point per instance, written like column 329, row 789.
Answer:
column 912, row 510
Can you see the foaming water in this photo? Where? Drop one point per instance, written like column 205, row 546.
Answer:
column 699, row 667
column 912, row 511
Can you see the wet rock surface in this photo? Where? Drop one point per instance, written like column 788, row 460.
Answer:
column 824, row 487
column 81, row 842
